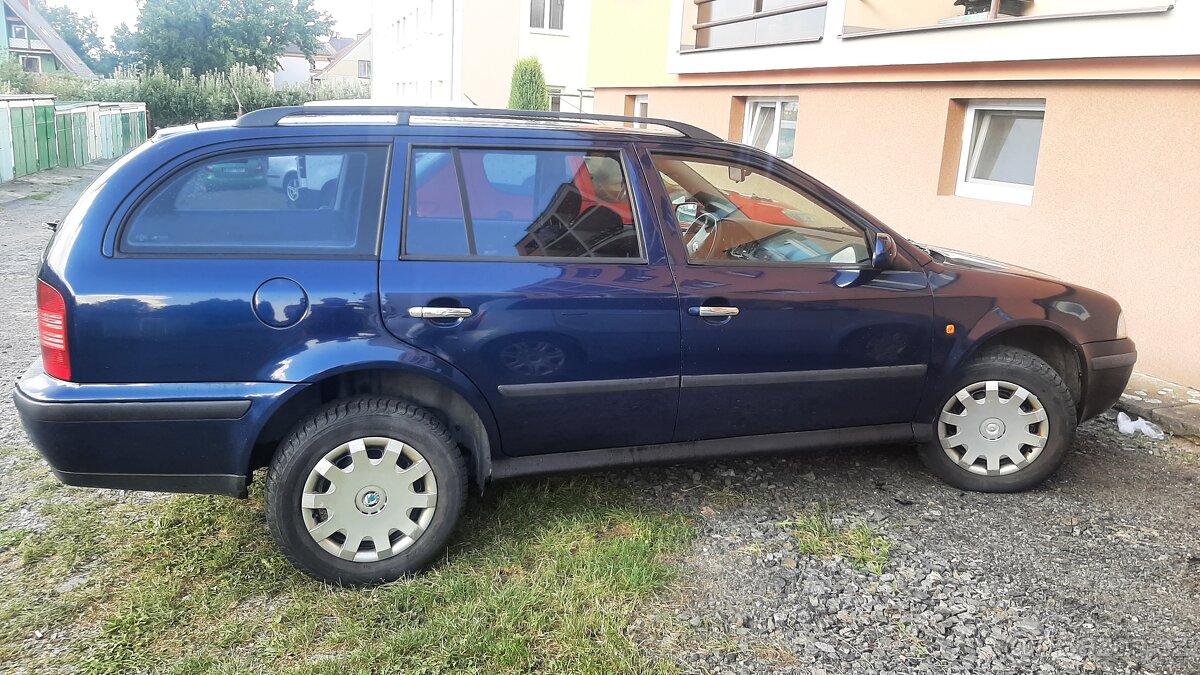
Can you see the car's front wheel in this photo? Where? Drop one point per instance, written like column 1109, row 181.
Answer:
column 365, row 491
column 1005, row 426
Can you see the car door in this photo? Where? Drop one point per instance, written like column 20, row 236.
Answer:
column 786, row 326
column 536, row 270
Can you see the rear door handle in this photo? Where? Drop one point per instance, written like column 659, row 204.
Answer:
column 715, row 312
column 439, row 312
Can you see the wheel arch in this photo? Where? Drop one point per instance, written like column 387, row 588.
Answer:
column 470, row 421
column 1046, row 341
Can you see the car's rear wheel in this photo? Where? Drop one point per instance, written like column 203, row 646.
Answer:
column 365, row 491
column 1005, row 425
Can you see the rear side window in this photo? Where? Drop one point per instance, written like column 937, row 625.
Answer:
column 289, row 201
column 519, row 203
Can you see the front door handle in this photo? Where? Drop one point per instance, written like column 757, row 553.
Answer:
column 714, row 312
column 439, row 312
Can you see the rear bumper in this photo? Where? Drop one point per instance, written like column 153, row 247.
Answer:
column 1107, row 368
column 169, row 437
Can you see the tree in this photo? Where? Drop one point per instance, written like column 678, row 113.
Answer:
column 78, row 31
column 528, row 89
column 213, row 35
column 126, row 51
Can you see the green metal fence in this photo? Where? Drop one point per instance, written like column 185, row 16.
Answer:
column 38, row 133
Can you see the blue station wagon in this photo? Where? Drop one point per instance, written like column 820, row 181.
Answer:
column 385, row 306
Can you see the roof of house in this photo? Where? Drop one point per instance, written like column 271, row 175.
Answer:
column 340, row 43
column 323, row 49
column 345, row 50
column 42, row 28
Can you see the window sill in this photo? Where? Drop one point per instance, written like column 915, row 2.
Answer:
column 1009, row 19
column 1020, row 196
column 548, row 31
column 700, row 50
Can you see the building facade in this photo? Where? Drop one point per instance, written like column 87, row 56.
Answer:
column 351, row 64
column 1060, row 135
column 463, row 51
column 294, row 67
column 30, row 39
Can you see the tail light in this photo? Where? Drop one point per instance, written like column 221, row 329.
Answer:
column 52, row 331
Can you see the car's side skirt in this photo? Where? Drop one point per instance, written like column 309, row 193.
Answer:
column 694, row 451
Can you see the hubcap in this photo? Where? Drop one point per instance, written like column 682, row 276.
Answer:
column 993, row 428
column 369, row 499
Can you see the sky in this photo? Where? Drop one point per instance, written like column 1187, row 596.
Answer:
column 352, row 16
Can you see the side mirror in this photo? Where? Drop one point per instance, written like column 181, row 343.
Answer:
column 687, row 212
column 737, row 174
column 884, row 253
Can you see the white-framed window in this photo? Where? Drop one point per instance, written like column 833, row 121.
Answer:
column 546, row 14
column 20, row 32
column 364, row 69
column 1000, row 150
column 641, row 108
column 31, row 64
column 771, row 125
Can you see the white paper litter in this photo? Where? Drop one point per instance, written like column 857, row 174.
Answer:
column 1130, row 427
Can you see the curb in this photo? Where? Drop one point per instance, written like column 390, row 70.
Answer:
column 1173, row 407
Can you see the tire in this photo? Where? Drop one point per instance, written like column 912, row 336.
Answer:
column 990, row 437
column 290, row 185
column 386, row 437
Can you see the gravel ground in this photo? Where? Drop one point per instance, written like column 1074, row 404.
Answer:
column 1096, row 571
column 24, row 207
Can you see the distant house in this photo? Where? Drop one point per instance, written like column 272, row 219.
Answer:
column 28, row 37
column 463, row 51
column 351, row 63
column 295, row 68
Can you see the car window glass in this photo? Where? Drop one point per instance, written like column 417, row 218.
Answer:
column 519, row 203
column 731, row 213
column 324, row 200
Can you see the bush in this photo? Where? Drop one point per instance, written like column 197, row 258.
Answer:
column 13, row 78
column 188, row 98
column 528, row 91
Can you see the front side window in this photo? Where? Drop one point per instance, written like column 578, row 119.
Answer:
column 771, row 126
column 519, row 203
column 1000, row 150
column 281, row 201
column 732, row 213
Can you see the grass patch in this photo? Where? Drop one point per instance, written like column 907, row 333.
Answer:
column 729, row 497
column 815, row 533
column 543, row 576
column 40, row 196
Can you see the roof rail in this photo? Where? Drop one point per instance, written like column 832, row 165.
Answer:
column 269, row 117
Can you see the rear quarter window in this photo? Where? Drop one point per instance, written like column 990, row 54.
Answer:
column 281, row 201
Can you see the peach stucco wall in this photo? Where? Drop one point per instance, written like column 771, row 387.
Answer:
column 1116, row 203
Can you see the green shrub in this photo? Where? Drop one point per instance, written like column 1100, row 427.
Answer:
column 528, row 91
column 188, row 98
column 13, row 78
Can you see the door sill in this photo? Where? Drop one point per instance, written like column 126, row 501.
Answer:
column 504, row 468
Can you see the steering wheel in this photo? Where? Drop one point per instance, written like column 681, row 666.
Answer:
column 699, row 239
